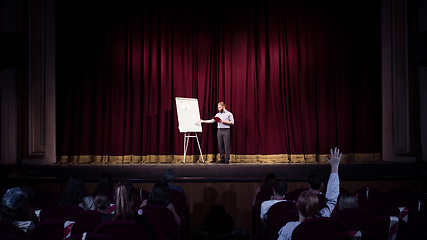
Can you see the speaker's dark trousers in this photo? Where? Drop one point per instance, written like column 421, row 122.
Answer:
column 223, row 136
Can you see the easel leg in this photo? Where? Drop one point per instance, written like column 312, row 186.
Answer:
column 185, row 145
column 198, row 144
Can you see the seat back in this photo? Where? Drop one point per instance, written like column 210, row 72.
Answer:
column 12, row 237
column 353, row 218
column 65, row 211
column 10, row 228
column 392, row 200
column 140, row 195
column 405, row 193
column 177, row 198
column 381, row 227
column 263, row 195
column 123, row 229
column 87, row 219
column 413, row 217
column 45, row 215
column 359, row 235
column 91, row 236
column 52, row 229
column 162, row 219
column 48, row 202
column 290, row 216
column 367, row 194
column 274, row 214
column 295, row 194
column 376, row 208
column 318, row 228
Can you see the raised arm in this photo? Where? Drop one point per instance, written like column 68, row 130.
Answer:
column 333, row 188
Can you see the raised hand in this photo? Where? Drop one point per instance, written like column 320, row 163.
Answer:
column 335, row 159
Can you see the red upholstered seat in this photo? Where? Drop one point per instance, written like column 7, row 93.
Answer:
column 123, row 229
column 52, row 229
column 318, row 228
column 48, row 202
column 162, row 219
column 405, row 193
column 274, row 214
column 381, row 225
column 415, row 219
column 290, row 216
column 350, row 235
column 91, row 236
column 65, row 211
column 367, row 194
column 376, row 208
column 295, row 194
column 257, row 226
column 12, row 237
column 10, row 228
column 87, row 219
column 353, row 217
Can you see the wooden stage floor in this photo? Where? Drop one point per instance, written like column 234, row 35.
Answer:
column 212, row 172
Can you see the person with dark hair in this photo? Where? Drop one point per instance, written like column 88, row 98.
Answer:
column 347, row 200
column 169, row 177
column 123, row 208
column 15, row 209
column 105, row 186
column 159, row 195
column 308, row 203
column 225, row 120
column 268, row 183
column 102, row 203
column 106, row 182
column 279, row 191
column 75, row 193
column 315, row 184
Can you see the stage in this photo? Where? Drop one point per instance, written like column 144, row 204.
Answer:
column 213, row 172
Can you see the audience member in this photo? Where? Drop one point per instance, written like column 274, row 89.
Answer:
column 315, row 184
column 123, row 208
column 15, row 209
column 75, row 193
column 159, row 195
column 169, row 177
column 106, row 182
column 217, row 221
column 308, row 203
column 102, row 203
column 279, row 191
column 347, row 200
column 268, row 183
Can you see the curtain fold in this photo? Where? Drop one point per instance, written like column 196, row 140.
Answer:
column 300, row 77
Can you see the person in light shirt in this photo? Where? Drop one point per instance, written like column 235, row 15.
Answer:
column 308, row 203
column 223, row 134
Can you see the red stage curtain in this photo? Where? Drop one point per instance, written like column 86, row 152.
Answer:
column 300, row 77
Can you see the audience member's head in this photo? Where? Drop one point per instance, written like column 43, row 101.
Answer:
column 307, row 204
column 106, row 181
column 102, row 203
column 315, row 183
column 169, row 176
column 12, row 203
column 124, row 201
column 159, row 194
column 280, row 188
column 325, row 181
column 269, row 181
column 75, row 191
column 347, row 200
